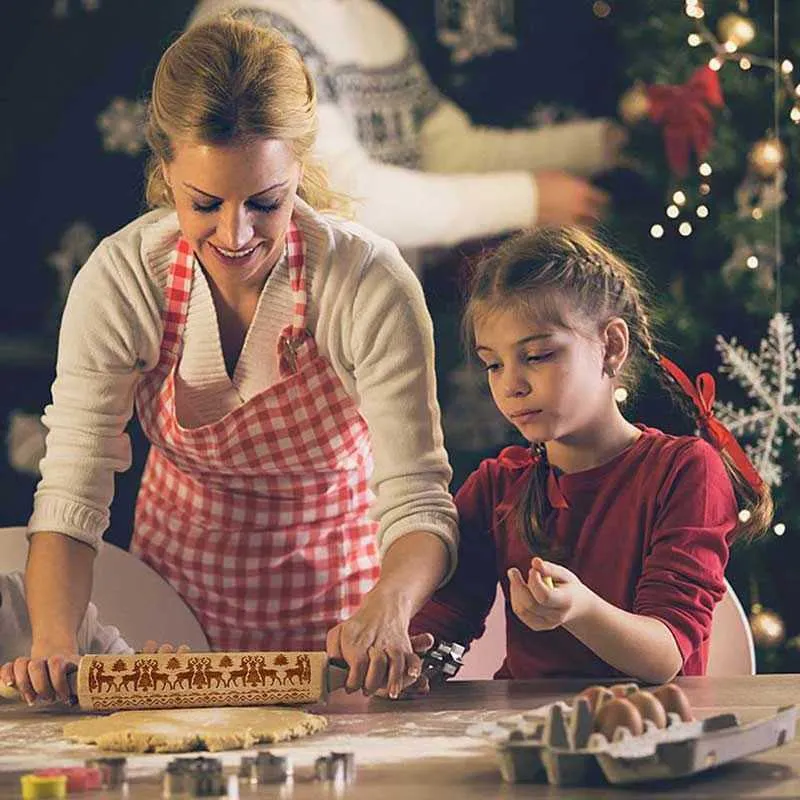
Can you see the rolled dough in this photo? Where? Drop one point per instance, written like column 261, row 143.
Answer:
column 185, row 729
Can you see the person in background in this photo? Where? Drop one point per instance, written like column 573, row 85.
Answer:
column 280, row 360
column 609, row 539
column 420, row 172
column 15, row 625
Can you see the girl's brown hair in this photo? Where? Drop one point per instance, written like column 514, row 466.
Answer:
column 550, row 274
column 229, row 80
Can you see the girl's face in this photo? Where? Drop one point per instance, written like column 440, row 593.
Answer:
column 547, row 381
column 234, row 203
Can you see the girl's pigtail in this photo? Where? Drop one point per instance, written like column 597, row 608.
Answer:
column 534, row 507
column 752, row 493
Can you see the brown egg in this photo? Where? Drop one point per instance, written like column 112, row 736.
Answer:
column 675, row 701
column 618, row 713
column 596, row 695
column 649, row 707
column 624, row 689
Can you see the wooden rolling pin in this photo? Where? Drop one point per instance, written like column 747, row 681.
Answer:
column 185, row 680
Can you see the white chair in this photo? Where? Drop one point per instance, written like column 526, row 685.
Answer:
column 731, row 650
column 127, row 592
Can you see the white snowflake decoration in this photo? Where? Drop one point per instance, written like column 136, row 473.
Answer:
column 61, row 7
column 769, row 379
column 75, row 246
column 26, row 442
column 472, row 28
column 122, row 126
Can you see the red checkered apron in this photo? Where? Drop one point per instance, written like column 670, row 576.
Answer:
column 259, row 520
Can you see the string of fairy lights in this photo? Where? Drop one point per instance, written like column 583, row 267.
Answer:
column 767, row 156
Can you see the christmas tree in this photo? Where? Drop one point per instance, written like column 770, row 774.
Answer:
column 713, row 107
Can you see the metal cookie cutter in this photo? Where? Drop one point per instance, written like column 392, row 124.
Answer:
column 266, row 767
column 338, row 767
column 196, row 777
column 113, row 771
column 444, row 658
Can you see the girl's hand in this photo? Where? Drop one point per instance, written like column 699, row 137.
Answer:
column 543, row 607
column 375, row 644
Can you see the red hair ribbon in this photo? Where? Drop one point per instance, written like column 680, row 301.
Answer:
column 683, row 112
column 702, row 394
column 523, row 459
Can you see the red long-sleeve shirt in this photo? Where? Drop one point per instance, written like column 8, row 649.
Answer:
column 647, row 531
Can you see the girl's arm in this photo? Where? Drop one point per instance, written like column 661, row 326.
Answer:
column 681, row 581
column 642, row 647
column 458, row 611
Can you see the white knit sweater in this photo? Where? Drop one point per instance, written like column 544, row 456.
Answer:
column 421, row 173
column 366, row 312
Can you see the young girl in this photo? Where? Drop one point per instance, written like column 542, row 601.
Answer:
column 610, row 539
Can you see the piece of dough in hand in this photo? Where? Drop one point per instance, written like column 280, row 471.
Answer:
column 186, row 729
column 8, row 693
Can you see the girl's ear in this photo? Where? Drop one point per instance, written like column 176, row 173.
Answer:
column 616, row 343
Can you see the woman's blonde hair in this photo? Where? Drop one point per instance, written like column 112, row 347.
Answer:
column 552, row 274
column 229, row 80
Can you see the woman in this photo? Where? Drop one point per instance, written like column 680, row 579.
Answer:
column 271, row 351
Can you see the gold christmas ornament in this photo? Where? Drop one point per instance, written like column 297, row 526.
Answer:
column 766, row 156
column 736, row 29
column 767, row 626
column 634, row 105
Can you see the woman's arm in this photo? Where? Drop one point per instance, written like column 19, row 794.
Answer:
column 99, row 362
column 387, row 337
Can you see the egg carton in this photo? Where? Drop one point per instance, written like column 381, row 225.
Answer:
column 557, row 744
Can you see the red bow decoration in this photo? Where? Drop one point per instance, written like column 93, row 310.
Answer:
column 683, row 112
column 702, row 394
column 524, row 459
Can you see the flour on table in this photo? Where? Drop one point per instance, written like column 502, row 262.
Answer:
column 186, row 729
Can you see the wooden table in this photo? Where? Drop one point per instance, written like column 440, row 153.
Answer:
column 418, row 750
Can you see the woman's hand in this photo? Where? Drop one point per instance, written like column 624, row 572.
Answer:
column 152, row 646
column 543, row 607
column 42, row 677
column 376, row 646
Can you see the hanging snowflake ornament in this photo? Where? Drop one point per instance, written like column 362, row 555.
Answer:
column 756, row 196
column 61, row 7
column 756, row 257
column 76, row 244
column 122, row 126
column 768, row 378
column 472, row 28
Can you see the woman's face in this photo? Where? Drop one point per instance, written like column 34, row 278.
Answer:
column 234, row 203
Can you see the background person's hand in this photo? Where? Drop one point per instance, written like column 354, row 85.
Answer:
column 567, row 200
